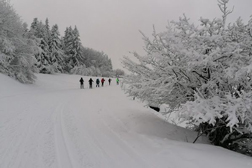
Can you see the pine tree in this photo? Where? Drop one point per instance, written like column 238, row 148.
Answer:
column 72, row 47
column 67, row 40
column 41, row 32
column 76, row 47
column 47, row 31
column 34, row 24
column 57, row 54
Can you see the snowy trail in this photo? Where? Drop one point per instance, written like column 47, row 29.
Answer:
column 54, row 124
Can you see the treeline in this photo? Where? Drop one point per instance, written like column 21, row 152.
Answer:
column 66, row 54
column 39, row 48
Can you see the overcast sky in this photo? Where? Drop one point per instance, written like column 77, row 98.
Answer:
column 113, row 26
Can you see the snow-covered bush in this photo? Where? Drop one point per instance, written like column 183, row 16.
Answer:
column 203, row 73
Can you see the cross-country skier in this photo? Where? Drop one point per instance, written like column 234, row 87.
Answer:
column 81, row 83
column 90, row 83
column 102, row 81
column 97, row 82
column 109, row 81
column 117, row 81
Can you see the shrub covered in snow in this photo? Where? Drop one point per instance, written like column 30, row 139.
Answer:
column 203, row 73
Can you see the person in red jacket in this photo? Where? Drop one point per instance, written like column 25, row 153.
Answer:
column 102, row 81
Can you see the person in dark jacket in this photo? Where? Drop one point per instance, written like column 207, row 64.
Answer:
column 109, row 81
column 102, row 81
column 97, row 82
column 90, row 83
column 81, row 83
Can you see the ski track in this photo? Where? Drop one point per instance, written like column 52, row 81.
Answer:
column 63, row 157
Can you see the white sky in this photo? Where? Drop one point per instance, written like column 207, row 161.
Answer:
column 113, row 26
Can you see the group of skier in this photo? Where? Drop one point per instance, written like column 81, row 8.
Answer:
column 90, row 81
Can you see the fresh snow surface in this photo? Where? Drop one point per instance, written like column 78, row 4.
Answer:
column 54, row 124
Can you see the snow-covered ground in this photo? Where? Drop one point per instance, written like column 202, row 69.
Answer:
column 53, row 123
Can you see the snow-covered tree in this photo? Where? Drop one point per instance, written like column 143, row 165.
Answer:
column 72, row 48
column 96, row 63
column 119, row 72
column 56, row 52
column 16, row 50
column 34, row 25
column 47, row 32
column 203, row 73
column 40, row 31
